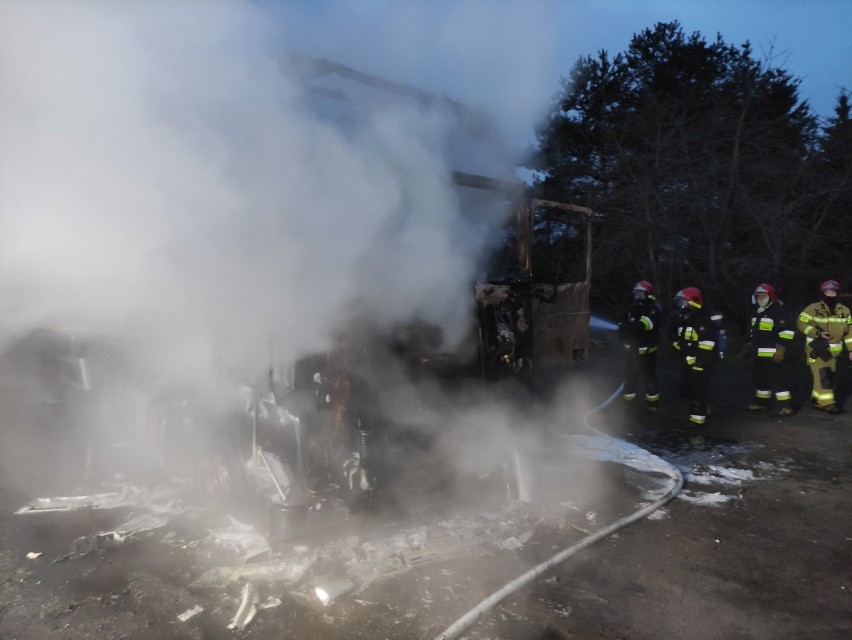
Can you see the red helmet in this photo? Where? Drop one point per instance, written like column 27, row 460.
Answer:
column 830, row 284
column 645, row 286
column 766, row 288
column 690, row 297
column 643, row 290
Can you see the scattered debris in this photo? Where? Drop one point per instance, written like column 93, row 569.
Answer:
column 242, row 538
column 329, row 589
column 189, row 613
column 440, row 548
column 141, row 524
column 287, row 570
column 85, row 545
column 128, row 496
column 247, row 609
column 270, row 602
column 526, row 536
column 511, row 543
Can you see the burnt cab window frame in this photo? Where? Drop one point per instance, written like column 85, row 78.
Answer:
column 559, row 239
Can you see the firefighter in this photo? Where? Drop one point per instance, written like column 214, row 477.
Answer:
column 826, row 327
column 639, row 331
column 766, row 337
column 695, row 340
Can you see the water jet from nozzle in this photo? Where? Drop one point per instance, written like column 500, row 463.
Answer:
column 600, row 323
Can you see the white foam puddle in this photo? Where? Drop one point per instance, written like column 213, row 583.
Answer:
column 716, row 474
column 721, row 471
column 727, row 468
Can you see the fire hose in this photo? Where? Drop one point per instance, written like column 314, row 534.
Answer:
column 473, row 615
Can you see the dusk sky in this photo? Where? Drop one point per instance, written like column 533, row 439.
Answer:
column 510, row 55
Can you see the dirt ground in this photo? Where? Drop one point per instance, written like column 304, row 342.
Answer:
column 769, row 559
column 775, row 563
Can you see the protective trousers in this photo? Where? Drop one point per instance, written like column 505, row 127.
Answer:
column 698, row 392
column 766, row 377
column 822, row 372
column 641, row 365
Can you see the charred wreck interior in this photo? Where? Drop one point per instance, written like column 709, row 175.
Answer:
column 335, row 432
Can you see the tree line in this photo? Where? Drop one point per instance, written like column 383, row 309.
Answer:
column 704, row 167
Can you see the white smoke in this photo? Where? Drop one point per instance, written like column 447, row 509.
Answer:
column 160, row 175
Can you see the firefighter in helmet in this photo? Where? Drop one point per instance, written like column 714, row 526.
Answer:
column 695, row 341
column 639, row 331
column 766, row 338
column 826, row 327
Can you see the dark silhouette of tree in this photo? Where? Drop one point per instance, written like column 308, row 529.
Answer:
column 697, row 158
column 828, row 198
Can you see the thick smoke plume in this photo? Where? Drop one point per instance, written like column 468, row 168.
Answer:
column 162, row 178
column 166, row 179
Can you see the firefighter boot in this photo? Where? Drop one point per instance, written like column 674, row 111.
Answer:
column 760, row 401
column 833, row 409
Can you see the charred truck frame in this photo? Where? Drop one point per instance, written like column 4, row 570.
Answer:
column 322, row 438
column 317, row 437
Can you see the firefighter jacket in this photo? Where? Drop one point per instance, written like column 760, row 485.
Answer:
column 696, row 339
column 768, row 331
column 818, row 318
column 640, row 326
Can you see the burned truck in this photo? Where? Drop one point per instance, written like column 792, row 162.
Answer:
column 322, row 429
column 325, row 435
column 314, row 440
column 289, row 445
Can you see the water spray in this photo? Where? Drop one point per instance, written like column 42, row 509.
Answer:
column 600, row 323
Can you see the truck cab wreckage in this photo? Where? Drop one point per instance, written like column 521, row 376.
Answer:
column 325, row 436
column 314, row 435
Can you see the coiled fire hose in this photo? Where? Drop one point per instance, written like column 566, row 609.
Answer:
column 471, row 617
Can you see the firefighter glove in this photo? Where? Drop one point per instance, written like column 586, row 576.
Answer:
column 820, row 349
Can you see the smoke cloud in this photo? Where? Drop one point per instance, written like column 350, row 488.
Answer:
column 165, row 179
column 162, row 176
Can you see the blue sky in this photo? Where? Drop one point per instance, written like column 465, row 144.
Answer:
column 510, row 54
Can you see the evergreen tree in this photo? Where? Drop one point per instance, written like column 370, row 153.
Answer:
column 829, row 203
column 694, row 156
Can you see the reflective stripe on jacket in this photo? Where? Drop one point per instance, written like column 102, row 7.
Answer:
column 696, row 339
column 640, row 326
column 817, row 318
column 769, row 329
